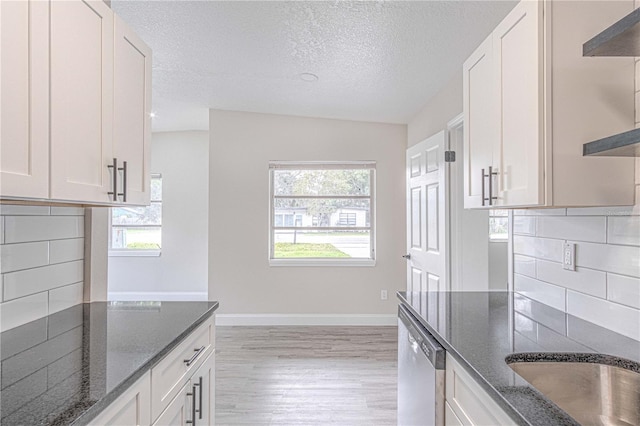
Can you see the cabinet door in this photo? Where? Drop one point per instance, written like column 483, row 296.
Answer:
column 518, row 154
column 132, row 408
column 132, row 108
column 179, row 411
column 24, row 99
column 479, row 122
column 204, row 379
column 81, row 100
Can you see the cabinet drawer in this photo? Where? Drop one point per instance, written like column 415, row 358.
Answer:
column 469, row 401
column 170, row 375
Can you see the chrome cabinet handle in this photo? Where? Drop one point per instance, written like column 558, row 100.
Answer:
column 199, row 385
column 192, row 394
column 407, row 256
column 193, row 358
column 114, row 181
column 123, row 169
column 482, row 184
column 490, row 176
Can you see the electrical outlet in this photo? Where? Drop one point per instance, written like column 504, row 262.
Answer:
column 383, row 294
column 569, row 256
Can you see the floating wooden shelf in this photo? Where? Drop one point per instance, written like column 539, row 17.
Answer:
column 625, row 144
column 620, row 39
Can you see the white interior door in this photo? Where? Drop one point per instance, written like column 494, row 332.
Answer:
column 427, row 192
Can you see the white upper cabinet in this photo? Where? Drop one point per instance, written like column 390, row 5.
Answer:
column 531, row 100
column 131, row 112
column 24, row 99
column 76, row 95
column 518, row 58
column 81, row 100
column 479, row 116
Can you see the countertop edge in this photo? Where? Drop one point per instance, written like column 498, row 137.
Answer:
column 494, row 393
column 110, row 397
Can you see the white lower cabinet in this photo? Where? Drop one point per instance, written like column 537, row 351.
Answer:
column 178, row 391
column 178, row 412
column 203, row 382
column 466, row 402
column 450, row 418
column 131, row 408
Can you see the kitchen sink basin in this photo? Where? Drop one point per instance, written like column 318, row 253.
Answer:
column 593, row 389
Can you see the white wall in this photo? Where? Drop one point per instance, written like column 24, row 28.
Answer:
column 242, row 144
column 41, row 261
column 181, row 271
column 498, row 265
column 443, row 107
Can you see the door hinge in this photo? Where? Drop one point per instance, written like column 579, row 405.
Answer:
column 449, row 156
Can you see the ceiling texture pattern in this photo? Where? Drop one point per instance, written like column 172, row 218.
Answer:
column 375, row 61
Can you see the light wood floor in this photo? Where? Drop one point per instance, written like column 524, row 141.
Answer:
column 306, row 375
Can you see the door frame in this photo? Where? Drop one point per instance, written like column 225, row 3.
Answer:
column 453, row 210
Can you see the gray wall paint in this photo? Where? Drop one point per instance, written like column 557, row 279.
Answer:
column 242, row 144
column 180, row 273
column 41, row 261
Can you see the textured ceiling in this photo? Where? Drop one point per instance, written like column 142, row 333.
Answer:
column 376, row 61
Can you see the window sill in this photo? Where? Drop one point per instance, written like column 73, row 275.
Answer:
column 135, row 253
column 323, row 262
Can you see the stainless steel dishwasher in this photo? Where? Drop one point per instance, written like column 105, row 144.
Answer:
column 420, row 374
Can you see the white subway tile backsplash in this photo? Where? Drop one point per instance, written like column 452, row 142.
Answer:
column 67, row 211
column 546, row 293
column 540, row 212
column 524, row 225
column 623, row 290
column 23, row 310
column 66, row 250
column 17, row 210
column 586, row 228
column 30, row 281
column 624, row 260
column 602, row 211
column 42, row 228
column 524, row 265
column 582, row 279
column 615, row 317
column 41, row 261
column 541, row 248
column 14, row 257
column 65, row 297
column 623, row 230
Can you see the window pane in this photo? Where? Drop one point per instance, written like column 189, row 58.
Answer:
column 322, row 244
column 151, row 215
column 156, row 189
column 136, row 238
column 498, row 228
column 322, row 212
column 321, row 182
column 497, row 212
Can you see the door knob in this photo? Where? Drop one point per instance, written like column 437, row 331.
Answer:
column 407, row 256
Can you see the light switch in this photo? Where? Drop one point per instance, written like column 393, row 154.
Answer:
column 569, row 256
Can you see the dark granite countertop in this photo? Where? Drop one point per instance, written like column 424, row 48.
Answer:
column 480, row 329
column 67, row 367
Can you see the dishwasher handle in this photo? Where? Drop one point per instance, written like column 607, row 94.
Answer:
column 429, row 346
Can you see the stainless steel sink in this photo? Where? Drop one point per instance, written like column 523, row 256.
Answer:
column 593, row 389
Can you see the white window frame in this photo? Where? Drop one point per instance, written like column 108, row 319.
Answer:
column 119, row 252
column 323, row 165
column 491, row 216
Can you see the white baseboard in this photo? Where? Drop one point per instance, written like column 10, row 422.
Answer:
column 306, row 319
column 190, row 296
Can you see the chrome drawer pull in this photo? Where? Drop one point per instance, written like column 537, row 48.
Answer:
column 193, row 358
